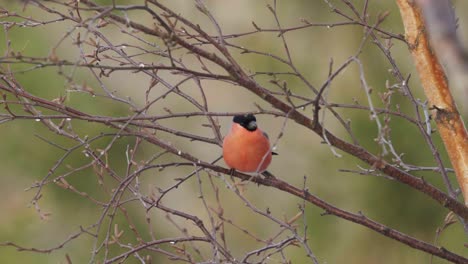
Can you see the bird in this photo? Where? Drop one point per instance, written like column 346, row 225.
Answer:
column 246, row 148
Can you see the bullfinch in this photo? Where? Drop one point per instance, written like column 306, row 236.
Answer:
column 246, row 148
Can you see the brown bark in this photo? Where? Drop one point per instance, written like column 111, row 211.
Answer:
column 434, row 81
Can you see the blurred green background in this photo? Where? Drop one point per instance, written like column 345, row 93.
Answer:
column 25, row 159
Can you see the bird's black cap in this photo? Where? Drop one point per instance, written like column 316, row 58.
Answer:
column 248, row 121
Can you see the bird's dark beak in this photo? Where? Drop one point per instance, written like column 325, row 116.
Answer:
column 252, row 125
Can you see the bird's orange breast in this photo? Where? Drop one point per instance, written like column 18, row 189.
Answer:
column 246, row 151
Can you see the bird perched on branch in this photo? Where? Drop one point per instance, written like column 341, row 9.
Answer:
column 246, row 147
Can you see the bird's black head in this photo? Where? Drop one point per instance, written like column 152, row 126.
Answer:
column 248, row 121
